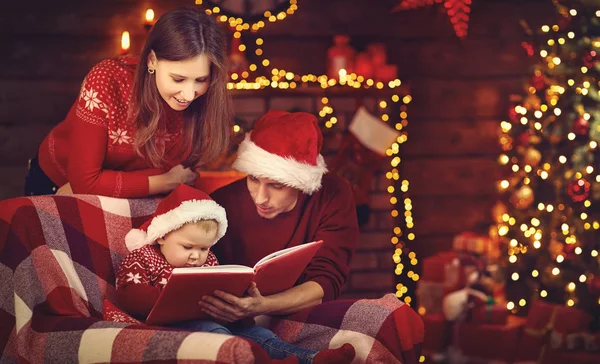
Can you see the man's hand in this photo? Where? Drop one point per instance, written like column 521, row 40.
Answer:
column 226, row 307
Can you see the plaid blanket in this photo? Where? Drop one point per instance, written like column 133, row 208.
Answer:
column 58, row 258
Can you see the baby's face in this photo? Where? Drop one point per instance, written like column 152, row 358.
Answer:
column 187, row 246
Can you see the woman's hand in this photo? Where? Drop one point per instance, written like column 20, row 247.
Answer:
column 226, row 307
column 65, row 189
column 179, row 174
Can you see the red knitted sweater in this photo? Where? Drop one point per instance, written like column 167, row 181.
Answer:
column 93, row 147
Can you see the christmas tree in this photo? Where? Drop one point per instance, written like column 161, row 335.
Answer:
column 550, row 221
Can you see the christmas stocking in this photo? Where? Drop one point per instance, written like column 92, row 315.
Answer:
column 361, row 154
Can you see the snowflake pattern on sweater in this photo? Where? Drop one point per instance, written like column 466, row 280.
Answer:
column 147, row 265
column 94, row 147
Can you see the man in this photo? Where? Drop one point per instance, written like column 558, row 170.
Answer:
column 287, row 199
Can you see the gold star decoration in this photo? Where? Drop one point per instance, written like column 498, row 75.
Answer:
column 457, row 10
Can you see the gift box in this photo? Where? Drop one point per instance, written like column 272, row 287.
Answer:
column 487, row 343
column 431, row 288
column 475, row 243
column 436, row 333
column 547, row 328
column 488, row 314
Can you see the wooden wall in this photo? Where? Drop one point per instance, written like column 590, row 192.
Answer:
column 460, row 91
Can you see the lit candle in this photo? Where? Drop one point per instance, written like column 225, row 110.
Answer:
column 149, row 21
column 125, row 42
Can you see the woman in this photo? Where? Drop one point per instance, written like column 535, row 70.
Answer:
column 142, row 126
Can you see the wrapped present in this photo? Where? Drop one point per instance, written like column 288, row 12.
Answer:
column 475, row 243
column 434, row 284
column 563, row 356
column 491, row 313
column 488, row 343
column 550, row 327
column 430, row 295
column 436, row 333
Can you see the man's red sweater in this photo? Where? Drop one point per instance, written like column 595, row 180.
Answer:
column 328, row 214
column 93, row 147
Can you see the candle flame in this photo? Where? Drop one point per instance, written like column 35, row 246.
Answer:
column 125, row 42
column 149, row 15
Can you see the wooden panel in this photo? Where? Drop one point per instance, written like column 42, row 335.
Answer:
column 451, row 138
column 428, row 245
column 13, row 181
column 60, row 58
column 496, row 19
column 414, row 57
column 450, row 214
column 36, row 101
column 456, row 98
column 89, row 18
column 456, row 176
column 18, row 143
column 488, row 19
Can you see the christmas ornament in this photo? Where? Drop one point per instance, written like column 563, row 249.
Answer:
column 457, row 10
column 580, row 126
column 538, row 81
column 533, row 157
column 522, row 198
column 578, row 190
column 513, row 115
column 590, row 59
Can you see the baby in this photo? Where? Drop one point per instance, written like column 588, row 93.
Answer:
column 186, row 224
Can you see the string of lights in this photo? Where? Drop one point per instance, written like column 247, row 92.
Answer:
column 548, row 239
column 262, row 75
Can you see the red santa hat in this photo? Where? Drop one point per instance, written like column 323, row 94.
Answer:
column 284, row 147
column 183, row 205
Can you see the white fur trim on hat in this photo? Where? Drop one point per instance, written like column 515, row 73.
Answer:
column 186, row 212
column 257, row 162
column 135, row 239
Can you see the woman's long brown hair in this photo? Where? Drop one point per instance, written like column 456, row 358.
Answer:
column 178, row 35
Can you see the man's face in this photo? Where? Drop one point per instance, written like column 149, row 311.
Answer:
column 271, row 197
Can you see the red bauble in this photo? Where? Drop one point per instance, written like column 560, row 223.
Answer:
column 590, row 59
column 538, row 82
column 513, row 115
column 581, row 126
column 578, row 190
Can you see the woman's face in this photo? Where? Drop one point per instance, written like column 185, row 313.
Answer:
column 181, row 82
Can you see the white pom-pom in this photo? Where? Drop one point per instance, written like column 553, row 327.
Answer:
column 135, row 239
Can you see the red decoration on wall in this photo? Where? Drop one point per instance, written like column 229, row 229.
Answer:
column 579, row 190
column 457, row 10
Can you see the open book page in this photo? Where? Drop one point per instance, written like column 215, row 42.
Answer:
column 281, row 271
column 278, row 253
column 179, row 299
column 215, row 269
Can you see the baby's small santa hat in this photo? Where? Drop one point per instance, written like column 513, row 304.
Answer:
column 284, row 147
column 183, row 205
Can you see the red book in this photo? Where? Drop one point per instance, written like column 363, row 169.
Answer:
column 274, row 273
